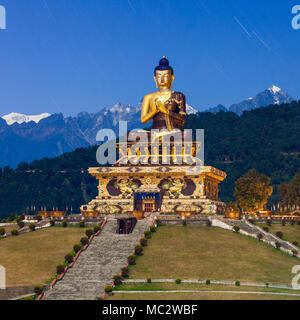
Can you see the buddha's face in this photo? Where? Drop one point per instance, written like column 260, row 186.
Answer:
column 164, row 79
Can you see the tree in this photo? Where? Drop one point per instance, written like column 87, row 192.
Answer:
column 252, row 191
column 290, row 192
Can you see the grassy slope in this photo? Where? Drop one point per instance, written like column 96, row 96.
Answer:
column 196, row 252
column 290, row 233
column 32, row 258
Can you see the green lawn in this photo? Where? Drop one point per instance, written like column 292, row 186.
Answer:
column 205, row 295
column 31, row 258
column 199, row 252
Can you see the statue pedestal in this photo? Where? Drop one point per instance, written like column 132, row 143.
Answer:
column 167, row 189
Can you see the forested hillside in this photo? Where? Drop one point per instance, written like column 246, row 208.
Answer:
column 267, row 139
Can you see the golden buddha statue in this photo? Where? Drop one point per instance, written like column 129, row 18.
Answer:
column 165, row 107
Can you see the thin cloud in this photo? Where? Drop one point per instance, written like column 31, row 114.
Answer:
column 262, row 41
column 131, row 6
column 49, row 11
column 242, row 26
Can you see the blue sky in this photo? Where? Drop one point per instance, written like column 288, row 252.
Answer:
column 81, row 55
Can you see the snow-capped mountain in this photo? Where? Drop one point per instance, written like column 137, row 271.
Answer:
column 28, row 138
column 272, row 95
column 216, row 109
column 14, row 117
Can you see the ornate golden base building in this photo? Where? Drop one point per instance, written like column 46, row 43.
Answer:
column 156, row 176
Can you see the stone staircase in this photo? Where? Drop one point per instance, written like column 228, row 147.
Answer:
column 96, row 266
column 250, row 228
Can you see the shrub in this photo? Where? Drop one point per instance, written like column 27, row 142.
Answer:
column 2, row 231
column 52, row 222
column 14, row 232
column 64, row 223
column 260, row 236
column 292, row 222
column 269, row 222
column 117, row 280
column 131, row 260
column 267, row 284
column 184, row 223
column 278, row 245
column 21, row 224
column 237, row 283
column 96, row 229
column 32, row 226
column 38, row 289
column 279, row 234
column 266, row 229
column 147, row 234
column 28, row 298
column 81, row 224
column 298, row 223
column 158, row 222
column 39, row 218
column 236, row 228
column 178, row 281
column 251, row 221
column 138, row 250
column 77, row 248
column 295, row 252
column 149, row 280
column 84, row 240
column 125, row 272
column 69, row 258
column 283, row 222
column 208, row 223
column 3, row 221
column 143, row 242
column 152, row 228
column 60, row 269
column 89, row 232
column 108, row 289
column 295, row 243
column 208, row 282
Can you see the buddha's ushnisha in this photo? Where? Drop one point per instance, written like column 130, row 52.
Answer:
column 166, row 107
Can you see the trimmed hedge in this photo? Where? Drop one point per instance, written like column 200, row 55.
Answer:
column 84, row 240
column 117, row 280
column 138, row 250
column 143, row 242
column 38, row 289
column 60, row 269
column 147, row 234
column 69, row 258
column 76, row 248
column 236, row 228
column 131, row 260
column 81, row 224
column 279, row 234
column 125, row 272
column 89, row 232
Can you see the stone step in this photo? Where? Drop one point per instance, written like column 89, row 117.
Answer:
column 96, row 266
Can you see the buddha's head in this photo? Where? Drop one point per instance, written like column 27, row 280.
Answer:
column 164, row 74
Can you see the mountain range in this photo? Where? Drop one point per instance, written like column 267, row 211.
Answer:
column 26, row 138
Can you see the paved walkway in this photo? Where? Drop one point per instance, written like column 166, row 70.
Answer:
column 96, row 266
column 213, row 291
